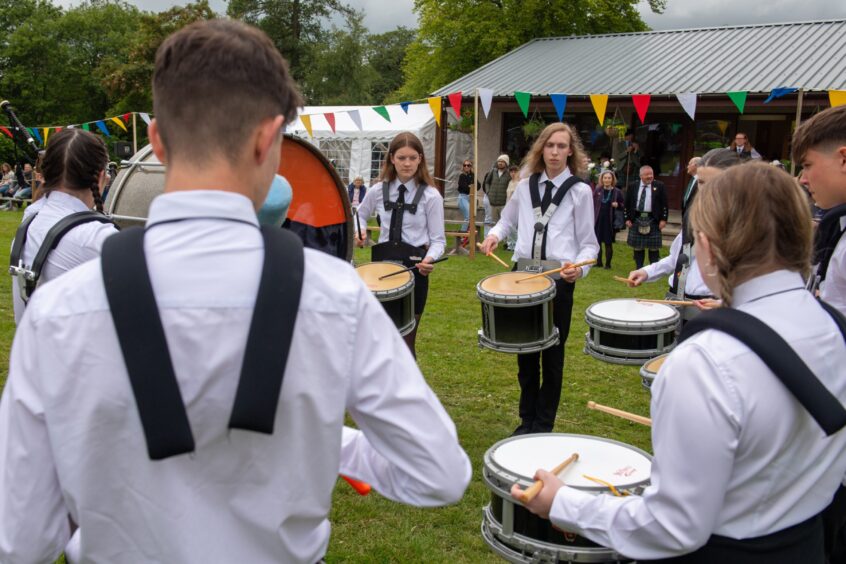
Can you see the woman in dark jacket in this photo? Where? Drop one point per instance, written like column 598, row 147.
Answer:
column 607, row 198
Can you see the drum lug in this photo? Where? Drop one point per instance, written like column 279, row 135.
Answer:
column 543, row 557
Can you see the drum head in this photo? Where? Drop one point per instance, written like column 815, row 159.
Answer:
column 619, row 464
column 654, row 365
column 506, row 284
column 371, row 272
column 632, row 311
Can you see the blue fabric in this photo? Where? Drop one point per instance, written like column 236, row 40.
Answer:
column 275, row 207
column 464, row 207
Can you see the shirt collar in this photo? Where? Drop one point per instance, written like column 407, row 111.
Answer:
column 205, row 204
column 64, row 200
column 410, row 185
column 771, row 283
column 558, row 180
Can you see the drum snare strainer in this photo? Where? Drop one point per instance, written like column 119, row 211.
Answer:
column 518, row 535
column 396, row 293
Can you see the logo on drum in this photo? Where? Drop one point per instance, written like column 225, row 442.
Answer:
column 625, row 471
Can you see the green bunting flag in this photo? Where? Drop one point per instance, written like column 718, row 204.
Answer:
column 382, row 111
column 523, row 99
column 739, row 99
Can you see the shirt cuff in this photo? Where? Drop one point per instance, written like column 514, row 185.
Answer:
column 566, row 507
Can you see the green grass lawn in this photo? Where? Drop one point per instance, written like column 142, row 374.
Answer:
column 479, row 390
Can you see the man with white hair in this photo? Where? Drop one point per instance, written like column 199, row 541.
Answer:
column 496, row 186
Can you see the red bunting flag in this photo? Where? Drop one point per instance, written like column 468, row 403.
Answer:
column 330, row 119
column 6, row 131
column 455, row 103
column 641, row 104
column 125, row 118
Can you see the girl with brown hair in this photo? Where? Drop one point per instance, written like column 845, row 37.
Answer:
column 411, row 213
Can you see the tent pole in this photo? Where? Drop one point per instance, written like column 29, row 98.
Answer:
column 798, row 121
column 471, row 226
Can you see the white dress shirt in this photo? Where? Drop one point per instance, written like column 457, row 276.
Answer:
column 426, row 227
column 71, row 439
column 79, row 245
column 570, row 234
column 833, row 288
column 694, row 285
column 735, row 453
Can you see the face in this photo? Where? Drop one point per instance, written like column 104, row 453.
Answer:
column 556, row 150
column 647, row 176
column 606, row 179
column 405, row 160
column 467, row 167
column 740, row 139
column 27, row 167
column 358, row 182
column 501, row 165
column 691, row 167
column 514, row 174
column 824, row 175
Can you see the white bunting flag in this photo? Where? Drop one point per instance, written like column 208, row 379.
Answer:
column 145, row 117
column 486, row 96
column 356, row 117
column 688, row 102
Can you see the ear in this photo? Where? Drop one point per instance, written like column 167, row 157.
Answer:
column 268, row 133
column 101, row 181
column 156, row 141
column 704, row 249
column 841, row 153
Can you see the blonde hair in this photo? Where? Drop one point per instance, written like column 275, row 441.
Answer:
column 534, row 163
column 603, row 173
column 755, row 216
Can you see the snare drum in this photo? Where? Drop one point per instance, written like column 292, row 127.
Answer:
column 626, row 331
column 516, row 317
column 396, row 294
column 650, row 369
column 518, row 535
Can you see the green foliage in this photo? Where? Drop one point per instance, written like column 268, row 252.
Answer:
column 385, row 53
column 458, row 36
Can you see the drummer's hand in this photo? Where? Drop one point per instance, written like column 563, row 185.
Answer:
column 708, row 303
column 489, row 244
column 637, row 277
column 543, row 501
column 571, row 274
column 359, row 240
column 425, row 266
column 628, row 223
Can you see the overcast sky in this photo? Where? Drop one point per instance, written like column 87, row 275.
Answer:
column 384, row 15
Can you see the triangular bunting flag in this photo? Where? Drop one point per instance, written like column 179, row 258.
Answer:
column 145, row 117
column 723, row 125
column 34, row 132
column 6, row 131
column 688, row 102
column 58, row 129
column 435, row 105
column 739, row 99
column 600, row 103
column 119, row 123
column 101, row 125
column 307, row 124
column 404, row 106
column 46, row 134
column 382, row 111
column 356, row 117
column 71, row 127
column 486, row 97
column 523, row 100
column 560, row 102
column 125, row 117
column 837, row 97
column 641, row 104
column 779, row 93
column 86, row 127
column 455, row 103
column 330, row 119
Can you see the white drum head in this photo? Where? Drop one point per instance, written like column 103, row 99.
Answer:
column 618, row 464
column 632, row 311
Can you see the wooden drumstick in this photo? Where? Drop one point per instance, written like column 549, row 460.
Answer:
column 436, row 261
column 620, row 413
column 681, row 303
column 493, row 256
column 562, row 269
column 532, row 491
column 621, row 279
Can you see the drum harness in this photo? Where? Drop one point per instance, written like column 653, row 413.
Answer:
column 142, row 340
column 28, row 276
column 828, row 235
column 543, row 210
column 396, row 248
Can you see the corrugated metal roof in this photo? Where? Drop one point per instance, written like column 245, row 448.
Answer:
column 755, row 58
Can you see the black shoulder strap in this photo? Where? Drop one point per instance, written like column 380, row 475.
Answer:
column 20, row 241
column 411, row 208
column 534, row 190
column 145, row 352
column 59, row 230
column 827, row 236
column 839, row 318
column 779, row 357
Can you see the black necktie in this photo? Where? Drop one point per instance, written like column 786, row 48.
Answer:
column 641, row 203
column 395, row 234
column 547, row 196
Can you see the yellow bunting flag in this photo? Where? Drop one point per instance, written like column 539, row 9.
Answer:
column 435, row 104
column 46, row 134
column 723, row 125
column 120, row 123
column 600, row 103
column 837, row 97
column 307, row 123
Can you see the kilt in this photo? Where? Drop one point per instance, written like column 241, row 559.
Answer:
column 651, row 241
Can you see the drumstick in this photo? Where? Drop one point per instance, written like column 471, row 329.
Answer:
column 620, row 413
column 562, row 269
column 363, row 488
column 533, row 490
column 493, row 256
column 621, row 279
column 442, row 259
column 668, row 302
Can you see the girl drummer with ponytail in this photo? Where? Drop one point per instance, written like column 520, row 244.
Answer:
column 411, row 212
column 74, row 169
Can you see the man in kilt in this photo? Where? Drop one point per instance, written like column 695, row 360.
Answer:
column 646, row 215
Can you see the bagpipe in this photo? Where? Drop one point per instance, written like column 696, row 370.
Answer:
column 21, row 136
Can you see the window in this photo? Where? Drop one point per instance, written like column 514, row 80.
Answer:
column 378, row 154
column 337, row 152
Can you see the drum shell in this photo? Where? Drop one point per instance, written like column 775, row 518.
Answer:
column 629, row 342
column 398, row 304
column 319, row 212
column 647, row 375
column 517, row 324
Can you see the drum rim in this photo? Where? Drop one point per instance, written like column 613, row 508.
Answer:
column 494, row 298
column 644, row 370
column 622, row 356
column 393, row 293
column 533, row 346
column 596, row 318
column 135, row 161
column 489, row 464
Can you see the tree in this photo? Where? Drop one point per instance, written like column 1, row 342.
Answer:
column 385, row 53
column 458, row 36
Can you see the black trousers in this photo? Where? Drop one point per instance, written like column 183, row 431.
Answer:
column 539, row 401
column 834, row 524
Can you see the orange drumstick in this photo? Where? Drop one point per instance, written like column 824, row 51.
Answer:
column 363, row 488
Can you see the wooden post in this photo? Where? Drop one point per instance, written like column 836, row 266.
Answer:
column 799, row 103
column 134, row 135
column 471, row 226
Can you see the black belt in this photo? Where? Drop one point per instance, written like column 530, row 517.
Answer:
column 693, row 297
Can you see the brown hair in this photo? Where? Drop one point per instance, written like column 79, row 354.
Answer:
column 603, row 173
column 533, row 162
column 826, row 130
column 406, row 139
column 74, row 160
column 214, row 82
column 755, row 216
column 746, row 146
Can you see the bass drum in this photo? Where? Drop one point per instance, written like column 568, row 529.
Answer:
column 320, row 210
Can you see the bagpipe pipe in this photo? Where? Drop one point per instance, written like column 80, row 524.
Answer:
column 20, row 135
